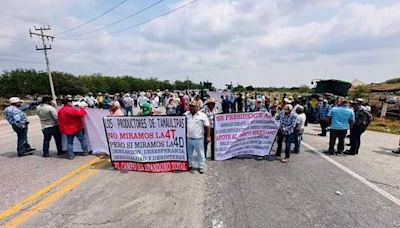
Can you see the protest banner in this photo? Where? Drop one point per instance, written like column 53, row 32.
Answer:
column 147, row 143
column 244, row 134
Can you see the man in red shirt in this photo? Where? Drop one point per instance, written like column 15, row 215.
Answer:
column 71, row 125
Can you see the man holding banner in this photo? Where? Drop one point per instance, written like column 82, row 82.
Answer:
column 197, row 123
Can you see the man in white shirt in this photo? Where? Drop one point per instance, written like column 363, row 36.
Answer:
column 90, row 100
column 197, row 125
column 128, row 104
column 142, row 99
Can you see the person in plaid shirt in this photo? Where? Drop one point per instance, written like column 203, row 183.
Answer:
column 210, row 110
column 287, row 122
column 322, row 115
column 17, row 118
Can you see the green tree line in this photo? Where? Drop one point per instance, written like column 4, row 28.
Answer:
column 21, row 82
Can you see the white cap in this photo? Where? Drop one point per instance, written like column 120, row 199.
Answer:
column 14, row 100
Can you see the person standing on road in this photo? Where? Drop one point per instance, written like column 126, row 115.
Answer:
column 18, row 120
column 287, row 121
column 147, row 108
column 340, row 117
column 115, row 109
column 49, row 121
column 99, row 100
column 170, row 108
column 299, row 129
column 322, row 115
column 90, row 100
column 128, row 104
column 239, row 101
column 106, row 101
column 71, row 125
column 210, row 110
column 225, row 104
column 197, row 125
column 362, row 119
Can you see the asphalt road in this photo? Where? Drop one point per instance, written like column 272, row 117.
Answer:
column 234, row 193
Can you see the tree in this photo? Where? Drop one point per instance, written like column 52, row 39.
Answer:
column 249, row 88
column 393, row 80
column 239, row 88
column 21, row 82
column 359, row 92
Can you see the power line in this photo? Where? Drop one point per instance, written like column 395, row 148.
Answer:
column 141, row 23
column 91, row 20
column 154, row 18
column 118, row 21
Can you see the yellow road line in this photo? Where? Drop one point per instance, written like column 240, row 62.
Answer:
column 53, row 197
column 14, row 209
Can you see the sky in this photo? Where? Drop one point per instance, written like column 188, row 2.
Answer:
column 249, row 42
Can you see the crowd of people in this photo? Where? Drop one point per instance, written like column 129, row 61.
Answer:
column 336, row 117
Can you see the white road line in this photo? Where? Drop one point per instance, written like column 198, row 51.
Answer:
column 355, row 175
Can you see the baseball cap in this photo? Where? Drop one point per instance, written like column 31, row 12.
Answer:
column 146, row 109
column 14, row 100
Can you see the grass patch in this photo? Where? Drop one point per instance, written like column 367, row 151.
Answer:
column 385, row 125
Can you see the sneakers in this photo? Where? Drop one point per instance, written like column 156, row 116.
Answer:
column 85, row 153
column 201, row 170
column 30, row 149
column 71, row 157
column 285, row 160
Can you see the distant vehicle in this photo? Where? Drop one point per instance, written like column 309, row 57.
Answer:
column 392, row 100
column 79, row 102
column 335, row 87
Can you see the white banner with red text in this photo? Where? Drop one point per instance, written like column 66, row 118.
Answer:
column 244, row 134
column 147, row 143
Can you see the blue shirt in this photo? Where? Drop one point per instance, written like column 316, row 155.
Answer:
column 287, row 122
column 341, row 117
column 15, row 116
column 323, row 111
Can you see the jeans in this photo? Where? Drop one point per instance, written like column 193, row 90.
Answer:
column 48, row 133
column 128, row 111
column 22, row 139
column 297, row 137
column 70, row 142
column 196, row 144
column 288, row 142
column 341, row 135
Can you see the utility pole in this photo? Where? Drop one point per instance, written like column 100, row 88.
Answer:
column 44, row 37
